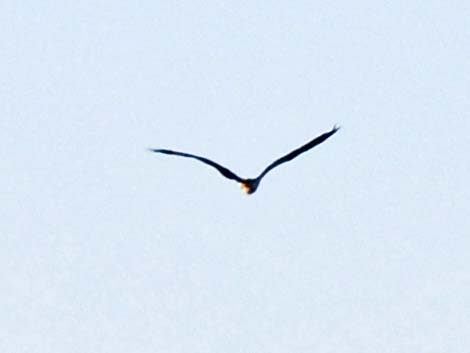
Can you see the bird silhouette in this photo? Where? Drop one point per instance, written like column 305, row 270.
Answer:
column 250, row 185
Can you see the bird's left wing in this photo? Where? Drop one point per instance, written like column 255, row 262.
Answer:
column 222, row 170
column 290, row 156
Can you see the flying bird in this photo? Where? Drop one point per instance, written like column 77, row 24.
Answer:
column 250, row 185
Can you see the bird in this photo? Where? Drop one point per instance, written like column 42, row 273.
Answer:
column 250, row 185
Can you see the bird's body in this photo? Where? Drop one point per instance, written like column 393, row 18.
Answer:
column 250, row 185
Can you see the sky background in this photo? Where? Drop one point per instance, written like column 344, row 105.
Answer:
column 361, row 245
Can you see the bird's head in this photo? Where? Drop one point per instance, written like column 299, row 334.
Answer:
column 249, row 186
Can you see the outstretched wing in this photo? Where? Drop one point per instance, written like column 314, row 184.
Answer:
column 224, row 171
column 290, row 156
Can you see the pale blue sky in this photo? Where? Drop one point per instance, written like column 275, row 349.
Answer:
column 361, row 245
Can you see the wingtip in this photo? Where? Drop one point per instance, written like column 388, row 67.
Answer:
column 336, row 127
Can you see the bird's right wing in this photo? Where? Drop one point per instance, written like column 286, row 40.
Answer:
column 290, row 156
column 222, row 170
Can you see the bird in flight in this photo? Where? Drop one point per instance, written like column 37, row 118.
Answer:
column 250, row 185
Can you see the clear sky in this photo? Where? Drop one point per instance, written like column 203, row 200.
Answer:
column 361, row 245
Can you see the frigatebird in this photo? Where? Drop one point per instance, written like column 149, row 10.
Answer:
column 250, row 185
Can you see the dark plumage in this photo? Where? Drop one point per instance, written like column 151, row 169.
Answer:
column 250, row 185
